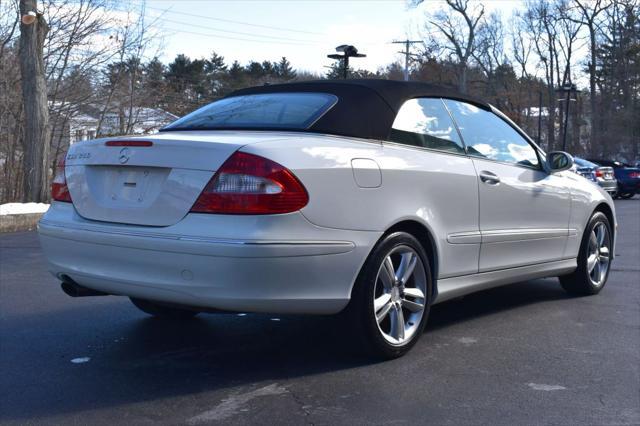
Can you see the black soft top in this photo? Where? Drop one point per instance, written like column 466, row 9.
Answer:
column 366, row 108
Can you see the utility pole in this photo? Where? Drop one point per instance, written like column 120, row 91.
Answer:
column 33, row 30
column 407, row 54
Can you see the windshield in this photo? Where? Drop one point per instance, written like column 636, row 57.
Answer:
column 292, row 111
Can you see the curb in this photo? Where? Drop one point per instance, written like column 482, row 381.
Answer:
column 19, row 222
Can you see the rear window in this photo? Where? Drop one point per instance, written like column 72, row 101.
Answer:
column 293, row 111
column 584, row 163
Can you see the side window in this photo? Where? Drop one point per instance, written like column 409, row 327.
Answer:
column 487, row 135
column 425, row 122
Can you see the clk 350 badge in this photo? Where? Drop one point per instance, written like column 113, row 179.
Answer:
column 79, row 156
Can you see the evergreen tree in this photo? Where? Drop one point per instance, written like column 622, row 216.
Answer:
column 283, row 69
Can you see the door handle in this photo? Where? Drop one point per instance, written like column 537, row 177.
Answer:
column 489, row 178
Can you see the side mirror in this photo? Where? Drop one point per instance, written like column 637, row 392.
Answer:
column 558, row 161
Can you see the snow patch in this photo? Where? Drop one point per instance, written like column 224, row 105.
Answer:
column 23, row 208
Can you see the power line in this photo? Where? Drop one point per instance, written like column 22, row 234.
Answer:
column 233, row 22
column 235, row 38
column 237, row 32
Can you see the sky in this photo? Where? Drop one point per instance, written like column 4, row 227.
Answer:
column 304, row 31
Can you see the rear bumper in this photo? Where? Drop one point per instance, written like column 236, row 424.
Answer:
column 608, row 185
column 278, row 264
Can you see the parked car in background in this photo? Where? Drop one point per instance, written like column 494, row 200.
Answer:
column 603, row 176
column 627, row 175
column 376, row 197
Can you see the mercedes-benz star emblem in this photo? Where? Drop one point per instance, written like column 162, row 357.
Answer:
column 124, row 155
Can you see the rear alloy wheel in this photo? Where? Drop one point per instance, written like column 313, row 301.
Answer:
column 626, row 195
column 391, row 299
column 594, row 259
column 162, row 311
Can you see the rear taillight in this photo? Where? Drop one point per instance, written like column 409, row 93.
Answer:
column 599, row 173
column 59, row 189
column 249, row 184
column 634, row 175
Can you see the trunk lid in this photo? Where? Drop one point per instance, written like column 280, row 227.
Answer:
column 607, row 173
column 148, row 185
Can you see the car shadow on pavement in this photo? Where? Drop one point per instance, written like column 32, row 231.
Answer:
column 140, row 359
column 494, row 300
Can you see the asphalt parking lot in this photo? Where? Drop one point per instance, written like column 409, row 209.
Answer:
column 521, row 354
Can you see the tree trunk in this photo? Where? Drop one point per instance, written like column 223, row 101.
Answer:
column 462, row 84
column 34, row 98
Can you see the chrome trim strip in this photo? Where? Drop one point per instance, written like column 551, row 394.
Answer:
column 423, row 148
column 469, row 237
column 192, row 238
column 506, row 235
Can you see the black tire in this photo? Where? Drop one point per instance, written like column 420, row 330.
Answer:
column 162, row 311
column 580, row 282
column 361, row 312
column 626, row 195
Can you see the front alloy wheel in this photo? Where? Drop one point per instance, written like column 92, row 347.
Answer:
column 594, row 258
column 390, row 301
column 598, row 257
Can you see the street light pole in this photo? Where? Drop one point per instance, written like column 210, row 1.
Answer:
column 348, row 52
column 540, row 118
column 566, row 121
column 568, row 89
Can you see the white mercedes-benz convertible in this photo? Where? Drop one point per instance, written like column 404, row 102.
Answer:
column 376, row 198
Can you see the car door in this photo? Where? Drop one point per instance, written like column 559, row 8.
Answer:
column 524, row 211
column 427, row 162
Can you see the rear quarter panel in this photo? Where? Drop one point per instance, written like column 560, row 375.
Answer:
column 437, row 190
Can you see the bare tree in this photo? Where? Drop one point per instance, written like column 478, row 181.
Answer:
column 521, row 44
column 132, row 39
column 490, row 41
column 540, row 23
column 588, row 15
column 459, row 30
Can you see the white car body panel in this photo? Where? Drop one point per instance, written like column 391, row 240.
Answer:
column 524, row 218
column 308, row 261
column 323, row 164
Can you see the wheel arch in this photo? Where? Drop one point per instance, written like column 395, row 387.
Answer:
column 424, row 235
column 605, row 209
